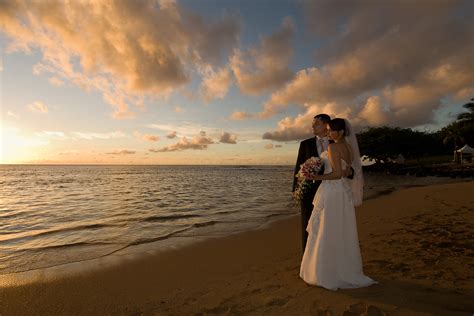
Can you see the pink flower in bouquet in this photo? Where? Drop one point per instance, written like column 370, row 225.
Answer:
column 308, row 170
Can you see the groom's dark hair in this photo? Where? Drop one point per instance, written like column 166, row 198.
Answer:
column 323, row 117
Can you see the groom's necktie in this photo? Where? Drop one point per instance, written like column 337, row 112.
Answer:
column 320, row 146
column 325, row 142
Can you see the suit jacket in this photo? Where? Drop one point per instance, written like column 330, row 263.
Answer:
column 307, row 150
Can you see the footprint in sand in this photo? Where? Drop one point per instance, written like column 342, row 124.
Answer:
column 276, row 301
column 272, row 288
column 401, row 267
column 349, row 313
column 375, row 311
column 323, row 312
column 361, row 308
column 358, row 308
column 420, row 277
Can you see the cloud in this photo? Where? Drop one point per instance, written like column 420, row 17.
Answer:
column 240, row 116
column 215, row 84
column 292, row 129
column 127, row 50
column 199, row 142
column 38, row 107
column 182, row 128
column 52, row 134
column 228, row 138
column 398, row 70
column 92, row 135
column 373, row 112
column 56, row 82
column 121, row 152
column 69, row 152
column 151, row 138
column 299, row 127
column 146, row 137
column 14, row 115
column 266, row 67
column 171, row 135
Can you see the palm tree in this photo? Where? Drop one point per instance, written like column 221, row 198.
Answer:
column 467, row 116
column 453, row 134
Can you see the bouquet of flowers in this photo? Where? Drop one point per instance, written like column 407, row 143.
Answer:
column 308, row 170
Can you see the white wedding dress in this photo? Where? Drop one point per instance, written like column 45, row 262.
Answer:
column 332, row 254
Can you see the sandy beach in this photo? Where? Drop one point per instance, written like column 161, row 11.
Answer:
column 416, row 242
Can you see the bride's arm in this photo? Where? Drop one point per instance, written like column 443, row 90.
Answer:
column 335, row 159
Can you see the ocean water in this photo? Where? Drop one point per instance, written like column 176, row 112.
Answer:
column 52, row 215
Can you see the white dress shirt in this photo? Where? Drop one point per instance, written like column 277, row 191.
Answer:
column 322, row 144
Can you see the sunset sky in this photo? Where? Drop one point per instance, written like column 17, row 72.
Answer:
column 222, row 81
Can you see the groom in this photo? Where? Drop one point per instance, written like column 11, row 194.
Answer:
column 311, row 147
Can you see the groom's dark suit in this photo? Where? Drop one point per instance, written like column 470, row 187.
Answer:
column 307, row 150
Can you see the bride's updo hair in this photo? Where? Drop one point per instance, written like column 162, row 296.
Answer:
column 338, row 124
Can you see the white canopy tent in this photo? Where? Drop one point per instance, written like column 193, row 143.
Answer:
column 465, row 150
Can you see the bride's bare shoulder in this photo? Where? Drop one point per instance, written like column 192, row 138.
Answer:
column 335, row 146
column 335, row 149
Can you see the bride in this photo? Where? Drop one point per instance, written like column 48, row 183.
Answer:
column 332, row 255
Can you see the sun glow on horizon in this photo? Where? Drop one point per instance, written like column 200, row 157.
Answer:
column 16, row 147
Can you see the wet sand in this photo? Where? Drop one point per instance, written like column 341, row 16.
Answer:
column 417, row 243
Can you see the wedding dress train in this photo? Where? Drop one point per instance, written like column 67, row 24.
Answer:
column 332, row 255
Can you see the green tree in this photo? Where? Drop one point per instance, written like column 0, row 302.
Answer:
column 385, row 143
column 456, row 134
column 452, row 134
column 467, row 116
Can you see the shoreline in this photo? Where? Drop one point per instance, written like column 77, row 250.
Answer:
column 377, row 185
column 123, row 255
column 419, row 255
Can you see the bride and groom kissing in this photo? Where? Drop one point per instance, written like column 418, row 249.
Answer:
column 331, row 253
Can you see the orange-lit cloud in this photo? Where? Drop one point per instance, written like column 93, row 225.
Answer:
column 299, row 127
column 121, row 152
column 151, row 138
column 259, row 69
column 56, row 82
column 38, row 107
column 394, row 72
column 240, row 115
column 124, row 49
column 215, row 84
column 69, row 152
column 147, row 137
column 199, row 142
column 373, row 112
